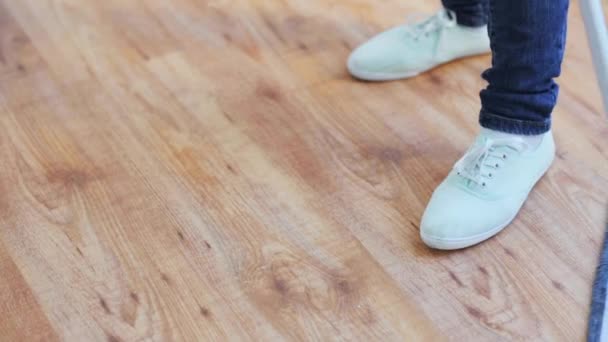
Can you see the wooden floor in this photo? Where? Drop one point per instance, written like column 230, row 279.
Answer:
column 206, row 170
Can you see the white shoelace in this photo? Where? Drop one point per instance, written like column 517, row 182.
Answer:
column 479, row 163
column 444, row 18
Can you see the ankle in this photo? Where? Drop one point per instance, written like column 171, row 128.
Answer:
column 532, row 141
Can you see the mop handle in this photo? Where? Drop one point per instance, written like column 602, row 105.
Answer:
column 597, row 35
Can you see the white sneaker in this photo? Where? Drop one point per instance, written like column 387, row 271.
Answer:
column 485, row 190
column 408, row 50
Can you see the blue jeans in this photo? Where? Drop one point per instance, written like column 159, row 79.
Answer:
column 527, row 39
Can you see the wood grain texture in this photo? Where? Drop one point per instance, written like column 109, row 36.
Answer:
column 207, row 170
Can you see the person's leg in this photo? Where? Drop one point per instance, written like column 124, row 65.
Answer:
column 488, row 186
column 527, row 38
column 471, row 13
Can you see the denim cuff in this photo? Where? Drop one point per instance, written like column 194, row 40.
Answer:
column 513, row 126
column 471, row 13
column 472, row 22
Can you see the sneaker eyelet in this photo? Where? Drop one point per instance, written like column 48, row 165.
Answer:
column 497, row 165
column 483, row 184
column 490, row 175
column 504, row 156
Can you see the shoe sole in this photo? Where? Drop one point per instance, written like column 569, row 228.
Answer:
column 389, row 76
column 460, row 243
